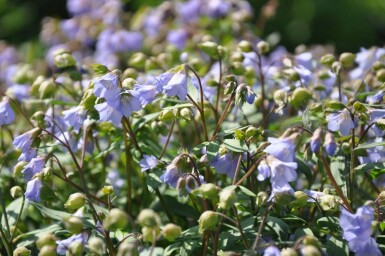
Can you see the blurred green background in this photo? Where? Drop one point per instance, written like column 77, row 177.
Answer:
column 347, row 24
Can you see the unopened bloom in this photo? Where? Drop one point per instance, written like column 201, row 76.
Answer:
column 357, row 230
column 33, row 189
column 340, row 121
column 330, row 145
column 7, row 115
column 316, row 141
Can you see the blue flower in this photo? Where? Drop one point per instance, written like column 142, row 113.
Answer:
column 123, row 40
column 75, row 117
column 357, row 230
column 281, row 148
column 376, row 98
column 171, row 176
column 25, row 140
column 177, row 37
column 62, row 246
column 28, row 155
column 226, row 164
column 107, row 86
column 33, row 167
column 7, row 115
column 340, row 121
column 272, row 251
column 365, row 59
column 33, row 189
column 315, row 141
column 330, row 145
column 108, row 113
column 126, row 102
column 177, row 86
column 146, row 93
column 148, row 162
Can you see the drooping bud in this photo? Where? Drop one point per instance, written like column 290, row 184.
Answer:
column 75, row 201
column 347, row 59
column 150, row 233
column 116, row 219
column 74, row 225
column 191, row 182
column 48, row 250
column 97, row 245
column 310, row 250
column 208, row 191
column 166, row 115
column 45, row 240
column 263, row 47
column 38, row 117
column 208, row 221
column 137, row 60
column 328, row 59
column 47, row 89
column 230, row 87
column 16, row 192
column 63, row 59
column 245, row 46
column 148, row 218
column 330, row 145
column 300, row 97
column 21, row 251
column 291, row 75
column 238, row 68
column 18, row 168
column 186, row 114
column 171, row 231
column 336, row 67
column 261, row 199
column 36, row 84
column 227, row 198
column 316, row 141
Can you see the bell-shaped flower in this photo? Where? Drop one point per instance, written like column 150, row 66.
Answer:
column 33, row 167
column 146, row 93
column 281, row 148
column 340, row 121
column 106, row 86
column 177, row 86
column 7, row 115
column 226, row 164
column 148, row 162
column 330, row 145
column 75, row 117
column 108, row 113
column 32, row 192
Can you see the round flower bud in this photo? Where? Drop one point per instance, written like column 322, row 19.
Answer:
column 300, row 97
column 261, row 199
column 75, row 249
column 283, row 198
column 148, row 218
column 329, row 203
column 166, row 115
column 191, row 182
column 137, row 60
column 181, row 184
column 336, row 67
column 127, row 249
column 381, row 197
column 237, row 57
column 289, row 252
column 230, row 87
column 21, row 251
column 64, row 60
column 251, row 132
column 263, row 47
column 36, row 85
column 186, row 114
column 347, row 59
column 310, row 240
column 129, row 73
column 316, row 141
column 227, row 198
column 107, row 190
column 238, row 68
column 47, row 89
column 208, row 221
column 378, row 65
column 116, row 219
column 97, row 245
column 129, row 83
column 210, row 48
column 151, row 64
column 245, row 46
column 280, row 97
column 75, row 201
column 301, row 199
column 45, row 240
column 38, row 117
column 310, row 250
column 328, row 59
column 380, row 75
column 74, row 225
column 150, row 233
column 291, row 75
column 18, row 168
column 171, row 231
column 48, row 250
column 16, row 191
column 209, row 191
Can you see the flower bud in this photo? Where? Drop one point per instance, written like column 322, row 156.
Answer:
column 190, row 182
column 245, row 46
column 208, row 191
column 137, row 60
column 129, row 73
column 336, row 67
column 310, row 250
column 237, row 57
column 75, row 201
column 283, row 198
column 18, row 168
column 289, row 252
column 380, row 75
column 181, row 184
column 75, row 249
column 116, row 219
column 16, row 191
column 291, row 75
column 45, row 240
column 310, row 240
column 148, row 218
column 64, row 60
column 227, row 198
column 280, row 97
column 97, row 245
column 129, row 83
column 261, row 199
column 36, row 84
column 300, row 199
column 150, row 233
column 263, row 47
column 48, row 250
column 166, row 115
column 315, row 141
column 329, row 145
column 251, row 132
column 38, row 117
column 21, row 251
column 171, row 231
column 74, row 225
column 381, row 197
column 230, row 87
column 328, row 59
column 151, row 64
column 210, row 48
column 238, row 68
column 378, row 65
column 300, row 97
column 47, row 89
column 186, row 114
column 107, row 190
column 208, row 221
column 329, row 203
column 127, row 249
column 347, row 59
column 239, row 134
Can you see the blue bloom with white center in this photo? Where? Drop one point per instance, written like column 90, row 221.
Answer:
column 32, row 192
column 177, row 86
column 357, row 230
column 148, row 162
column 7, row 115
column 376, row 98
column 126, row 102
column 340, row 121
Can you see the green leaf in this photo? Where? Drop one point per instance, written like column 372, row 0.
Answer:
column 332, row 105
column 280, row 227
column 370, row 145
column 235, row 145
column 336, row 247
column 382, row 226
column 212, row 149
column 157, row 251
column 247, row 191
column 53, row 214
column 304, row 168
column 153, row 182
column 300, row 232
column 12, row 211
column 338, row 168
column 331, row 224
column 100, row 69
column 361, row 111
column 29, row 238
column 370, row 166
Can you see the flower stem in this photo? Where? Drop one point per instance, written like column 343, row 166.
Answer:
column 127, row 169
column 168, row 140
column 18, row 218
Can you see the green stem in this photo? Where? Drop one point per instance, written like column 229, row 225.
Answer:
column 168, row 140
column 7, row 244
column 247, row 245
column 18, row 218
column 127, row 169
column 164, row 205
column 5, row 212
column 255, row 244
column 352, row 166
column 263, row 95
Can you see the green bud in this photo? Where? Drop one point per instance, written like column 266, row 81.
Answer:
column 21, row 251
column 64, row 60
column 107, row 190
column 166, row 115
column 378, row 65
column 328, row 59
column 48, row 250
column 208, row 221
column 347, row 59
column 88, row 100
column 245, row 46
column 208, row 191
column 381, row 197
column 336, row 67
column 263, row 47
column 190, row 182
column 346, row 148
column 47, row 172
column 221, row 51
column 36, row 84
column 230, row 87
column 227, row 198
column 231, row 78
column 45, row 240
column 171, row 231
column 251, row 132
column 116, row 219
column 210, row 48
column 283, row 198
column 239, row 135
column 38, row 117
column 164, row 58
column 75, row 249
column 150, row 233
column 181, row 184
column 137, row 60
column 151, row 64
column 186, row 114
column 291, row 75
column 129, row 83
column 380, row 75
column 129, row 73
column 74, row 225
column 280, row 97
column 18, row 168
column 75, row 201
column 300, row 199
column 238, row 68
column 24, row 74
column 148, row 218
column 329, row 203
column 126, row 249
column 97, row 245
column 289, row 252
column 300, row 97
column 47, row 89
column 310, row 250
column 310, row 240
column 16, row 192
column 237, row 57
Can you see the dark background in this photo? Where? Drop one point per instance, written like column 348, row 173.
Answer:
column 347, row 24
